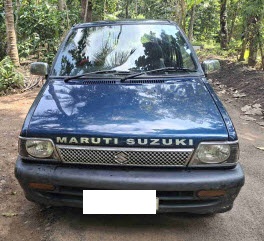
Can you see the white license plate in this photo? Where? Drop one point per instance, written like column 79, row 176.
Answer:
column 120, row 202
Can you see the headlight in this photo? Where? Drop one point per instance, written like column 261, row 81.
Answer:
column 37, row 148
column 216, row 154
column 213, row 153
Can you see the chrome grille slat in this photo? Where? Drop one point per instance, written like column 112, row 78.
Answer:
column 132, row 156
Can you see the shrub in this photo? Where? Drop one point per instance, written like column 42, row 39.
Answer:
column 9, row 77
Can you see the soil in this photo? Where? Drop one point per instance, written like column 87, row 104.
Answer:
column 13, row 213
column 243, row 79
column 23, row 220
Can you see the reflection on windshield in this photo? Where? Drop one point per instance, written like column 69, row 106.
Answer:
column 123, row 48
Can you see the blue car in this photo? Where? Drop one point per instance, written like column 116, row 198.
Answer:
column 126, row 106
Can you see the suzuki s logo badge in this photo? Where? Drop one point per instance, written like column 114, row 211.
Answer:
column 121, row 157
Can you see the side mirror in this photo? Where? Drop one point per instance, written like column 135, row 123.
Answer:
column 210, row 66
column 39, row 68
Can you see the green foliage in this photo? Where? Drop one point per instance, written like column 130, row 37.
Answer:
column 40, row 25
column 111, row 17
column 191, row 3
column 207, row 21
column 40, row 28
column 212, row 49
column 9, row 77
column 105, row 10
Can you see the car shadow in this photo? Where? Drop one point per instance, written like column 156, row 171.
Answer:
column 77, row 220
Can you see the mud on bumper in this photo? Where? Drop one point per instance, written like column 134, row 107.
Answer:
column 176, row 188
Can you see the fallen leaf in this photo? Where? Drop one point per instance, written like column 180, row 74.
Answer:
column 9, row 214
column 223, row 86
column 246, row 108
column 260, row 148
column 254, row 112
column 221, row 92
column 261, row 123
column 250, row 110
column 247, row 118
column 239, row 95
column 257, row 106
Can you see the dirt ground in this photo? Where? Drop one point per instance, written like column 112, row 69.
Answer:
column 243, row 79
column 22, row 220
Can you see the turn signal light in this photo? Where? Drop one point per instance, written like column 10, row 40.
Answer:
column 41, row 186
column 211, row 193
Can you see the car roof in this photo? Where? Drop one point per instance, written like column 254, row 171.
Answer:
column 122, row 22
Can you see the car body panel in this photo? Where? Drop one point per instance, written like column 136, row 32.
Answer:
column 176, row 188
column 181, row 108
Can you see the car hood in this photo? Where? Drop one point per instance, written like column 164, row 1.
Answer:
column 180, row 108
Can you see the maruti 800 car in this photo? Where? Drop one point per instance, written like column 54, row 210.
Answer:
column 126, row 106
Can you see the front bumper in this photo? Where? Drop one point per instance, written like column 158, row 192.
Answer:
column 176, row 188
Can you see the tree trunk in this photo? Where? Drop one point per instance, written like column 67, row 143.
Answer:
column 261, row 51
column 86, row 12
column 253, row 41
column 260, row 41
column 127, row 5
column 104, row 9
column 183, row 15
column 11, row 34
column 223, row 25
column 243, row 50
column 233, row 20
column 18, row 5
column 191, row 24
column 61, row 5
column 67, row 15
column 136, row 8
column 253, row 50
column 244, row 36
column 180, row 13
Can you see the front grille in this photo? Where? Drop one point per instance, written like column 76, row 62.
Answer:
column 124, row 156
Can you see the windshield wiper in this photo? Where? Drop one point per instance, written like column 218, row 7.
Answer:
column 95, row 72
column 175, row 69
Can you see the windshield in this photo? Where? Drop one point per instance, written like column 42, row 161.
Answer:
column 134, row 48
